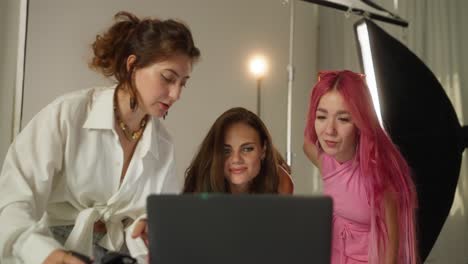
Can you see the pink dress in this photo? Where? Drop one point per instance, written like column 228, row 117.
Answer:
column 351, row 210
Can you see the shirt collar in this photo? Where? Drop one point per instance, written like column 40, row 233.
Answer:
column 101, row 114
column 150, row 138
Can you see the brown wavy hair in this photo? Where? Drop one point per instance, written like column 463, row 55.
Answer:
column 150, row 40
column 206, row 172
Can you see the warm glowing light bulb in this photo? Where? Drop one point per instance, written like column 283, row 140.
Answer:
column 258, row 66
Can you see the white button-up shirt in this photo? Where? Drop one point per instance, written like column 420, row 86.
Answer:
column 64, row 169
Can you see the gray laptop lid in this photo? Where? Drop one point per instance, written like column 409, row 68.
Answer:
column 240, row 229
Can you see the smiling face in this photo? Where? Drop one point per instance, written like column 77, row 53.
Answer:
column 243, row 156
column 335, row 128
column 160, row 84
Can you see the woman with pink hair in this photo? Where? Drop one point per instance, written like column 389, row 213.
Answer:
column 374, row 197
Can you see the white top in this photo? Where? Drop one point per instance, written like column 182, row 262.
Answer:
column 65, row 166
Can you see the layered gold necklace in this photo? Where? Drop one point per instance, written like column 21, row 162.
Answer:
column 129, row 134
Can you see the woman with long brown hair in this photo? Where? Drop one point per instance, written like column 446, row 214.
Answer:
column 238, row 156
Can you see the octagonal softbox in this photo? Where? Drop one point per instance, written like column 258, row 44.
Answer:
column 420, row 119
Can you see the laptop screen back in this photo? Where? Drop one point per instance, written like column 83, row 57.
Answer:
column 216, row 228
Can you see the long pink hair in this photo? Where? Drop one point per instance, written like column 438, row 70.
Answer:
column 382, row 165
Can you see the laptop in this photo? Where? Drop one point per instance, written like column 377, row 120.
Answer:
column 239, row 229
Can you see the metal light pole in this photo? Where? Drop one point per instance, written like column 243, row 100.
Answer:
column 259, row 96
column 258, row 68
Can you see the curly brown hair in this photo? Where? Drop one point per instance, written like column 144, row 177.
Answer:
column 150, row 40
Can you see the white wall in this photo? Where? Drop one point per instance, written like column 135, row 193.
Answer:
column 9, row 25
column 463, row 20
column 306, row 177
